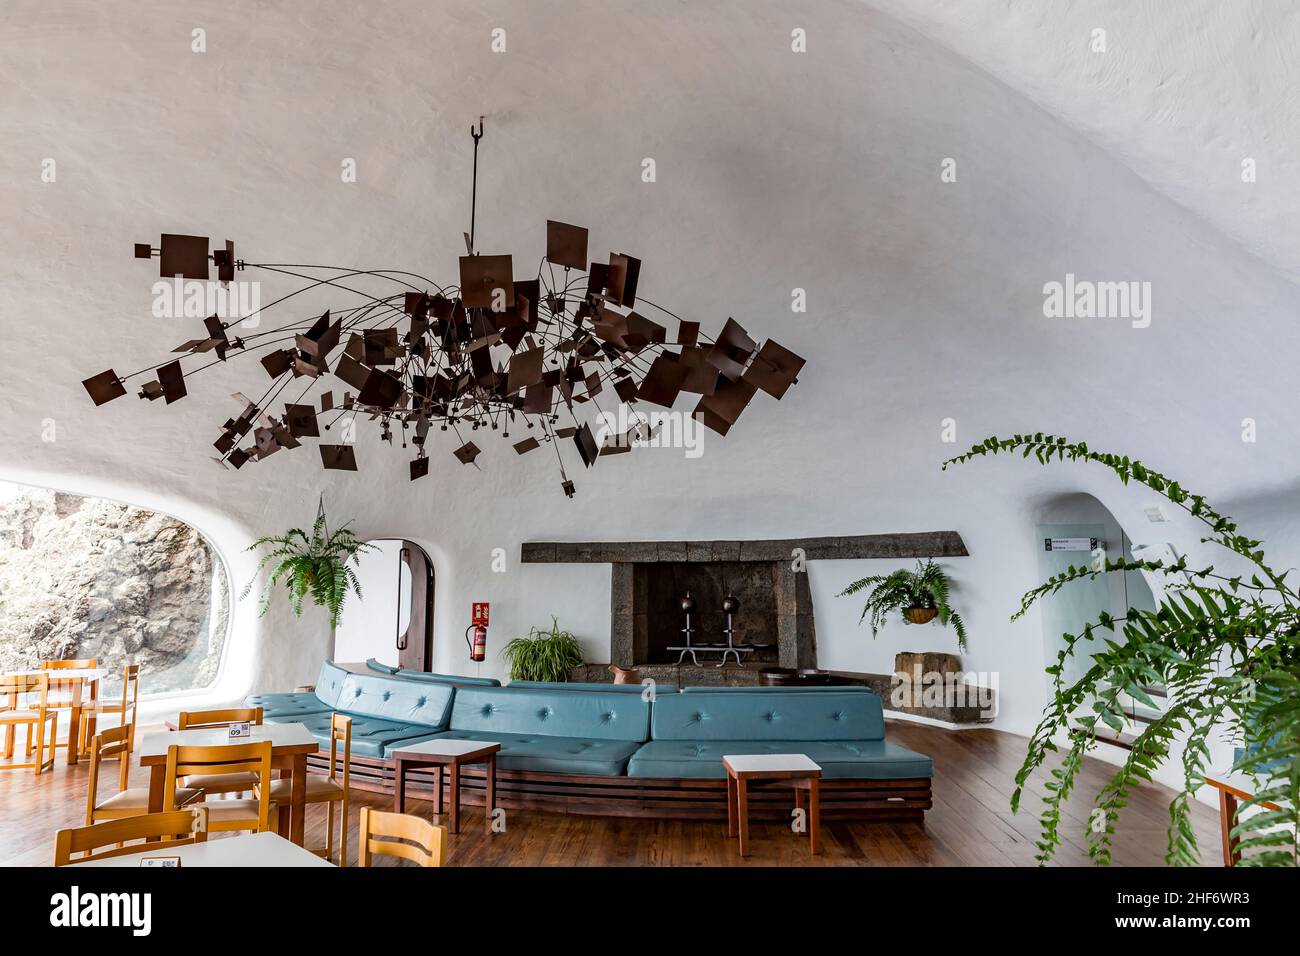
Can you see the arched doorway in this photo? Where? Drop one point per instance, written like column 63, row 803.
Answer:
column 1072, row 531
column 393, row 621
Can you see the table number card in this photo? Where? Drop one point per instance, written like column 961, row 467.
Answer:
column 171, row 862
column 241, row 729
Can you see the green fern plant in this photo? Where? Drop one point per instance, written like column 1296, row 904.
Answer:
column 1226, row 647
column 314, row 566
column 543, row 655
column 925, row 589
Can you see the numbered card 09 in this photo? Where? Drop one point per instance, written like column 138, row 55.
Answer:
column 170, row 862
column 241, row 729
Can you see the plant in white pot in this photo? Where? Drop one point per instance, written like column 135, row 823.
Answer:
column 920, row 595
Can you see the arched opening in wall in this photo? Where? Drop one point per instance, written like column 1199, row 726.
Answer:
column 84, row 577
column 392, row 623
column 1075, row 531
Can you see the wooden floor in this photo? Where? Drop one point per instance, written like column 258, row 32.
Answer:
column 970, row 825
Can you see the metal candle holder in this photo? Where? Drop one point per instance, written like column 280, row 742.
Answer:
column 688, row 605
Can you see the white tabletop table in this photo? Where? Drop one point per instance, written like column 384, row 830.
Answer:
column 290, row 746
column 798, row 770
column 62, row 677
column 63, row 673
column 453, row 754
column 248, row 849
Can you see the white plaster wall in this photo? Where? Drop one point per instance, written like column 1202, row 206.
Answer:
column 1181, row 93
column 775, row 170
column 369, row 624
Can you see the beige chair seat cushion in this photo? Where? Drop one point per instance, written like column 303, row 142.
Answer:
column 319, row 789
column 99, row 706
column 137, row 798
column 230, row 811
column 17, row 716
column 221, row 782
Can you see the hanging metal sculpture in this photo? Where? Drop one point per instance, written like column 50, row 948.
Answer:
column 486, row 354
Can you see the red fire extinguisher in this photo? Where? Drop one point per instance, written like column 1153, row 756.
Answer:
column 479, row 625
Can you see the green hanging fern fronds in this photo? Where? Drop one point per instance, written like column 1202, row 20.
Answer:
column 926, row 587
column 1225, row 647
column 311, row 566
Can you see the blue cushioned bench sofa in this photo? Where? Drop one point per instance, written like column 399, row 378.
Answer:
column 611, row 749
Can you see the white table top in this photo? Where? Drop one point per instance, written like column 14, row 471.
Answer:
column 768, row 763
column 443, row 748
column 248, row 849
column 281, row 735
column 64, row 674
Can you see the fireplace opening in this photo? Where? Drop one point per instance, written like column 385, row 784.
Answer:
column 754, row 624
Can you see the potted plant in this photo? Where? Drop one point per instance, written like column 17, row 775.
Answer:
column 543, row 655
column 1226, row 646
column 314, row 565
column 921, row 595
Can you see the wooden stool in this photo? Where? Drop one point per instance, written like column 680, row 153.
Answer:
column 801, row 773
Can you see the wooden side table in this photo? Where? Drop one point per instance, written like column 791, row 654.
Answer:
column 451, row 754
column 801, row 773
column 1232, row 787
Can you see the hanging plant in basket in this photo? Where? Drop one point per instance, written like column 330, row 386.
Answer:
column 921, row 595
column 314, row 566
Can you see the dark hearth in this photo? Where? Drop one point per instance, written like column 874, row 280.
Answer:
column 751, row 582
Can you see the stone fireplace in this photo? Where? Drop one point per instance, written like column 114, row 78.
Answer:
column 768, row 577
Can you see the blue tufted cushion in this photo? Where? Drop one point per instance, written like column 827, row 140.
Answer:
column 371, row 736
column 758, row 689
column 540, row 753
column 581, row 685
column 279, row 708
column 551, row 713
column 769, row 716
column 448, row 678
column 329, row 682
column 394, row 699
column 851, row 759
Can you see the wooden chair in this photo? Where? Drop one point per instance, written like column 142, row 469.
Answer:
column 117, row 707
column 19, row 711
column 428, row 844
column 199, row 719
column 329, row 789
column 70, row 698
column 252, row 759
column 178, row 828
column 127, row 802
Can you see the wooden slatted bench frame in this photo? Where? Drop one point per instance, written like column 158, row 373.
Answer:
column 586, row 794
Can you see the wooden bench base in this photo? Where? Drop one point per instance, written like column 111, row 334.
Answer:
column 646, row 796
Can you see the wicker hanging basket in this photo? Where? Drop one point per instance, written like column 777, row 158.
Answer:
column 920, row 615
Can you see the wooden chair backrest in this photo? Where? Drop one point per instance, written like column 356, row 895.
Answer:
column 113, row 742
column 177, row 828
column 85, row 663
column 130, row 690
column 191, row 719
column 430, row 840
column 183, row 761
column 16, row 685
column 340, row 729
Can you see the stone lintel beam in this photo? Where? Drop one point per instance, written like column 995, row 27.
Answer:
column 921, row 544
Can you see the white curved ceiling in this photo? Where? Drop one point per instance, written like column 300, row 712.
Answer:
column 1183, row 93
column 776, row 171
